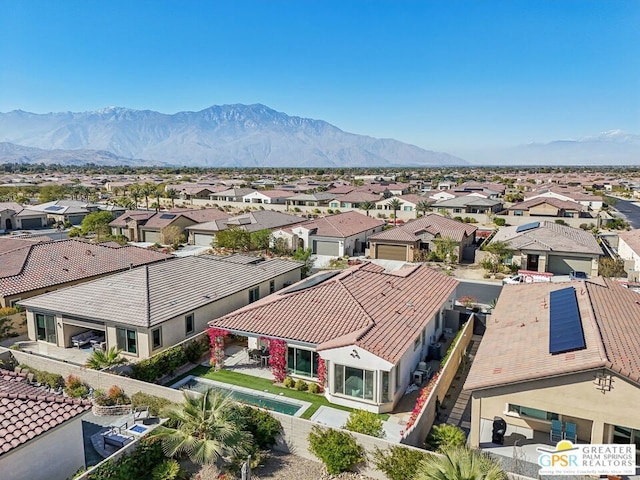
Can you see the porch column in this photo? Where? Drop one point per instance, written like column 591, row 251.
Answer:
column 476, row 412
column 597, row 432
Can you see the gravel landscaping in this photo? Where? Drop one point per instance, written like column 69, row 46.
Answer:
column 285, row 466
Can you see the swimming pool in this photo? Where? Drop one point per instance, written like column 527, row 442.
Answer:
column 269, row 401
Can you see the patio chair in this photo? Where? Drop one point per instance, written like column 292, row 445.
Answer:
column 141, row 414
column 555, row 435
column 570, row 432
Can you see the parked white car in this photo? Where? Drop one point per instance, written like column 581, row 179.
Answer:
column 525, row 276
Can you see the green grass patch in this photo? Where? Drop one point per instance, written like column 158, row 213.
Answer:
column 264, row 385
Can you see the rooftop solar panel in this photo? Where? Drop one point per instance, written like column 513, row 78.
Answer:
column 54, row 208
column 565, row 325
column 527, row 226
column 167, row 216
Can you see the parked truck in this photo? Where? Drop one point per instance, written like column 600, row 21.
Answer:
column 526, row 276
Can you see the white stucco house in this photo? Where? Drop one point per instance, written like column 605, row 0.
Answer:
column 370, row 327
column 629, row 251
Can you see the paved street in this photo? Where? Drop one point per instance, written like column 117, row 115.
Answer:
column 630, row 210
column 485, row 292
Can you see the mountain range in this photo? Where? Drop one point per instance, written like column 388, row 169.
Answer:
column 219, row 136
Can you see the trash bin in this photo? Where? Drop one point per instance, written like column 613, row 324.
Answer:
column 499, row 429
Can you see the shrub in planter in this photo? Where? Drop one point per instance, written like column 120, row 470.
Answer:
column 301, row 385
column 114, row 396
column 398, row 463
column 289, row 382
column 365, row 422
column 264, row 428
column 314, row 388
column 75, row 388
column 338, row 450
column 155, row 404
column 196, row 349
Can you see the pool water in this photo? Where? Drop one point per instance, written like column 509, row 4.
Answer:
column 138, row 429
column 256, row 400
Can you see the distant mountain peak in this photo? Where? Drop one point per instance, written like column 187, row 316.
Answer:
column 234, row 135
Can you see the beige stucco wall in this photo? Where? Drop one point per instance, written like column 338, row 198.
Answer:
column 574, row 397
column 56, row 454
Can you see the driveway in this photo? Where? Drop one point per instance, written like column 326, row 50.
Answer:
column 630, row 210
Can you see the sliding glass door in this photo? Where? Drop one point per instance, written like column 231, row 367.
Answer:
column 46, row 328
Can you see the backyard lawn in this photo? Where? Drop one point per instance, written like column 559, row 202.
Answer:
column 264, row 385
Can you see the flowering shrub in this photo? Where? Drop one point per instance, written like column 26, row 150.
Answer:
column 216, row 338
column 468, row 301
column 421, row 402
column 278, row 357
column 322, row 373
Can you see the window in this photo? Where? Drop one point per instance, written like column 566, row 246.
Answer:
column 626, row 435
column 416, row 343
column 354, row 382
column 424, row 334
column 385, row 387
column 46, row 328
column 518, row 213
column 156, row 336
column 254, row 294
column 189, row 325
column 272, row 286
column 398, row 382
column 302, row 362
column 127, row 340
column 407, row 208
column 14, row 302
column 533, row 412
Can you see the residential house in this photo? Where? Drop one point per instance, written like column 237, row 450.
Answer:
column 470, row 203
column 629, row 251
column 31, row 267
column 163, row 227
column 413, row 241
column 40, row 432
column 546, row 207
column 63, row 211
column 27, row 219
column 145, row 310
column 550, row 247
column 371, row 328
column 590, row 202
column 128, row 224
column 8, row 211
column 231, row 195
column 409, row 203
column 559, row 351
column 354, row 199
column 320, row 199
column 204, row 234
column 277, row 197
column 337, row 235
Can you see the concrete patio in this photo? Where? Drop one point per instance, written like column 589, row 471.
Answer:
column 76, row 356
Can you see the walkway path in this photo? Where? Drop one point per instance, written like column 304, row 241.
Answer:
column 460, row 413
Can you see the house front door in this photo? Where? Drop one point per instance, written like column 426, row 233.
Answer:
column 532, row 262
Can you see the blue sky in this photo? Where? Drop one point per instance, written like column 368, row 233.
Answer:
column 444, row 75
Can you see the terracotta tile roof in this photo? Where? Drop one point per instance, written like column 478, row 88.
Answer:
column 139, row 215
column 555, row 202
column 515, row 348
column 26, row 411
column 380, row 312
column 342, row 190
column 342, row 225
column 432, row 223
column 632, row 239
column 201, row 215
column 358, row 197
column 415, row 199
column 550, row 236
column 48, row 264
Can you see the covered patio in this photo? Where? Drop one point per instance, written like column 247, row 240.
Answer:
column 76, row 356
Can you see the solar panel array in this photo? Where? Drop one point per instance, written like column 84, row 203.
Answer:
column 527, row 226
column 53, row 208
column 167, row 216
column 565, row 324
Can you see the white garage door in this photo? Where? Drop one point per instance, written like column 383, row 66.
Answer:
column 153, row 237
column 563, row 265
column 203, row 239
column 321, row 247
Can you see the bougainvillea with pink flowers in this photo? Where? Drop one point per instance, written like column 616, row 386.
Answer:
column 216, row 340
column 421, row 401
column 322, row 373
column 277, row 357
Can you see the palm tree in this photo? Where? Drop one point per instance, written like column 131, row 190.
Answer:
column 146, row 190
column 204, row 430
column 395, row 204
column 460, row 464
column 171, row 194
column 157, row 192
column 136, row 193
column 100, row 359
column 366, row 206
column 422, row 206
